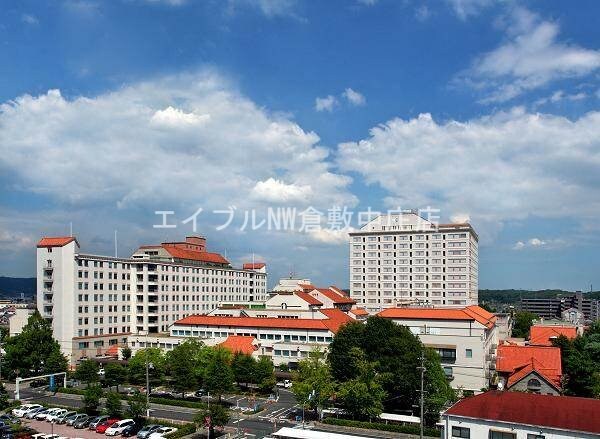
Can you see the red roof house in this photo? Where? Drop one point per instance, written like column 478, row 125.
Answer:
column 541, row 335
column 516, row 363
column 240, row 343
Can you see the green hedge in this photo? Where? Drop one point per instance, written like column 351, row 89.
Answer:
column 163, row 401
column 409, row 429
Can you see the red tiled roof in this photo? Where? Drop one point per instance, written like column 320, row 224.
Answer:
column 335, row 318
column 180, row 253
column 524, row 372
column 334, row 296
column 545, row 360
column 307, row 298
column 254, row 322
column 307, row 287
column 543, row 335
column 359, row 312
column 468, row 313
column 569, row 413
column 254, row 266
column 240, row 343
column 58, row 241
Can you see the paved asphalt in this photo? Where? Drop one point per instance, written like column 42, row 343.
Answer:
column 273, row 417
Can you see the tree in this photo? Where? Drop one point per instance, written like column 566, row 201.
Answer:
column 397, row 351
column 218, row 375
column 91, row 399
column 313, row 384
column 137, row 406
column 182, row 367
column 264, row 375
column 522, row 323
column 438, row 392
column 4, row 403
column 87, row 372
column 126, row 353
column 34, row 351
column 114, row 374
column 156, row 366
column 113, row 406
column 362, row 397
column 244, row 368
column 215, row 416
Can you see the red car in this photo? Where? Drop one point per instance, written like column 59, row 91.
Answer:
column 108, row 423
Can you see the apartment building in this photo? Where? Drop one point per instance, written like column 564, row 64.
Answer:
column 284, row 339
column 521, row 415
column 466, row 340
column 96, row 302
column 554, row 307
column 403, row 259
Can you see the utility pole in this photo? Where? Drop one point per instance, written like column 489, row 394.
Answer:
column 422, row 398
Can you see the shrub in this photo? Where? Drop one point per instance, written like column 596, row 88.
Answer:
column 409, row 429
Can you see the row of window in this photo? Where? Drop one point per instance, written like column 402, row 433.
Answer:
column 465, row 433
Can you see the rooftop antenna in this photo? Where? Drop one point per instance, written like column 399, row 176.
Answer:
column 71, row 229
column 116, row 253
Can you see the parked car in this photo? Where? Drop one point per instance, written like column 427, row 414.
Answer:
column 83, row 422
column 55, row 415
column 162, row 432
column 70, row 420
column 62, row 418
column 33, row 414
column 106, row 425
column 97, row 421
column 118, row 427
column 131, row 430
column 19, row 412
column 147, row 431
column 199, row 393
column 9, row 419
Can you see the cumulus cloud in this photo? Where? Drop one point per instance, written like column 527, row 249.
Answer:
column 10, row 240
column 532, row 56
column 536, row 243
column 277, row 191
column 326, row 104
column 29, row 19
column 505, row 166
column 559, row 96
column 467, row 8
column 330, row 236
column 114, row 148
column 353, row 97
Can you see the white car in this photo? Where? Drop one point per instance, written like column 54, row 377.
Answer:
column 118, row 427
column 42, row 416
column 19, row 412
column 161, row 432
column 52, row 417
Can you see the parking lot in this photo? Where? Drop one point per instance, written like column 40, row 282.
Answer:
column 61, row 430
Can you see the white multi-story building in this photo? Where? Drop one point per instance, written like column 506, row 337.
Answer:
column 466, row 340
column 399, row 259
column 95, row 302
column 522, row 415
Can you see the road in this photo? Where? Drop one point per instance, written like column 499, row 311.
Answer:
column 258, row 425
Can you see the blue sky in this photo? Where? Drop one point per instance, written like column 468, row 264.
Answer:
column 487, row 111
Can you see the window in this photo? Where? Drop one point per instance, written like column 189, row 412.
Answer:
column 501, row 435
column 469, row 353
column 462, row 432
column 534, row 385
column 535, row 436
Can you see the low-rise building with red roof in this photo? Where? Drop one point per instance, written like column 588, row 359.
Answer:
column 465, row 338
column 542, row 335
column 285, row 340
column 240, row 343
column 534, row 369
column 521, row 415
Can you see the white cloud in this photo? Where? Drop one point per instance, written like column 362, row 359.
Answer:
column 15, row 241
column 29, row 19
column 559, row 96
column 536, row 243
column 353, row 97
column 277, row 191
column 495, row 168
column 326, row 104
column 531, row 57
column 422, row 13
column 175, row 118
column 113, row 149
column 367, row 2
column 330, row 236
column 466, row 8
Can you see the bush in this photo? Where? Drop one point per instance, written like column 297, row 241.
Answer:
column 182, row 429
column 409, row 429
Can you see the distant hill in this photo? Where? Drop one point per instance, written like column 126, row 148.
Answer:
column 14, row 286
